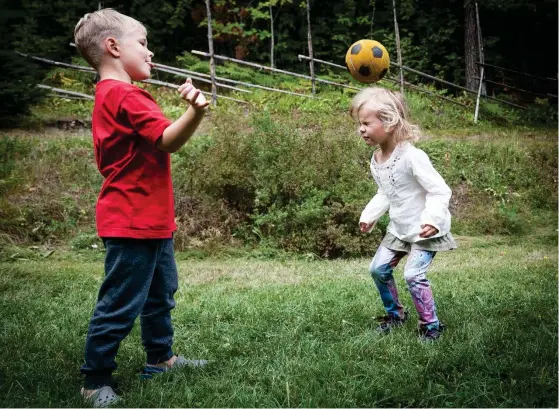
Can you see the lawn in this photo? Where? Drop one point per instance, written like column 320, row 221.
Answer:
column 299, row 333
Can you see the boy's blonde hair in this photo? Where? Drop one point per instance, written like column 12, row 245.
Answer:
column 93, row 28
column 391, row 110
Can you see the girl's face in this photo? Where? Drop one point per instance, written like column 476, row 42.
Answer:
column 371, row 127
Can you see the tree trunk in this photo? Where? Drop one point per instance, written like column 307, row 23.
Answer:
column 211, row 50
column 311, row 64
column 470, row 45
column 272, row 38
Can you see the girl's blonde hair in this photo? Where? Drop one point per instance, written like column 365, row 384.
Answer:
column 93, row 28
column 391, row 110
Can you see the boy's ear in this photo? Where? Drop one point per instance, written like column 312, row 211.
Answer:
column 112, row 46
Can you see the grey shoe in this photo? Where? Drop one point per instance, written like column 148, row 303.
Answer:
column 180, row 362
column 101, row 398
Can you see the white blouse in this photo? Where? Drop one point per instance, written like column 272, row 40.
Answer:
column 413, row 192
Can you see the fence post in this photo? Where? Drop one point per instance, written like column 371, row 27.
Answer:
column 311, row 64
column 480, row 42
column 272, row 64
column 211, row 49
column 482, row 72
column 398, row 49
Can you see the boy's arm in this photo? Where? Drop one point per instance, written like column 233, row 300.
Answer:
column 180, row 131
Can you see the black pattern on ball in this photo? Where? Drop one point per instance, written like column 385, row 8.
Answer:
column 355, row 49
column 364, row 71
column 377, row 52
column 382, row 74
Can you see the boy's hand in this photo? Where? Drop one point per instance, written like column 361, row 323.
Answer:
column 427, row 231
column 366, row 227
column 192, row 95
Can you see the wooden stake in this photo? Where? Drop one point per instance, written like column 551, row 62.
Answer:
column 169, row 85
column 517, row 72
column 64, row 91
column 480, row 45
column 272, row 37
column 480, row 48
column 398, row 50
column 58, row 64
column 478, row 94
column 198, row 77
column 372, row 19
column 538, row 94
column 264, row 67
column 211, row 48
column 311, row 64
column 423, row 75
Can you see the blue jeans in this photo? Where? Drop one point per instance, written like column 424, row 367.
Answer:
column 140, row 279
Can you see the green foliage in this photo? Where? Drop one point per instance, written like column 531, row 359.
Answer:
column 286, row 173
column 12, row 150
column 18, row 91
column 53, row 185
column 86, row 241
column 431, row 37
column 299, row 183
column 280, row 182
column 542, row 112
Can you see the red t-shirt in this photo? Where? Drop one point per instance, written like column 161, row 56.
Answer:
column 136, row 199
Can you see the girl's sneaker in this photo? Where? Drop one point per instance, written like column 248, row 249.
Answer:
column 100, row 398
column 388, row 322
column 429, row 335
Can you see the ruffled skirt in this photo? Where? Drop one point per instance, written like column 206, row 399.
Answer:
column 443, row 243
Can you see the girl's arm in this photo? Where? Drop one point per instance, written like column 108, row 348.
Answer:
column 438, row 195
column 373, row 211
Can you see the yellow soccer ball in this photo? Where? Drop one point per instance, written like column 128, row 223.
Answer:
column 367, row 61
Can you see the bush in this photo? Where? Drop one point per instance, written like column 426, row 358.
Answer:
column 284, row 174
column 300, row 184
column 53, row 185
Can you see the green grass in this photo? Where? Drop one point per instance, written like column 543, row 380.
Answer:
column 295, row 333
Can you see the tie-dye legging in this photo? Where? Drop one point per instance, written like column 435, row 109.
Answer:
column 381, row 269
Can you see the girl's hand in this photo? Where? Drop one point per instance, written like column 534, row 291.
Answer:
column 427, row 231
column 192, row 95
column 366, row 227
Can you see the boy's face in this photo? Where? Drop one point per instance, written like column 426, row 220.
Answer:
column 135, row 56
column 371, row 128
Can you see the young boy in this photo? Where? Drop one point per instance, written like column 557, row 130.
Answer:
column 135, row 210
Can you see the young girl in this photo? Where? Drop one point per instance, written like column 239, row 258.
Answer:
column 417, row 199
